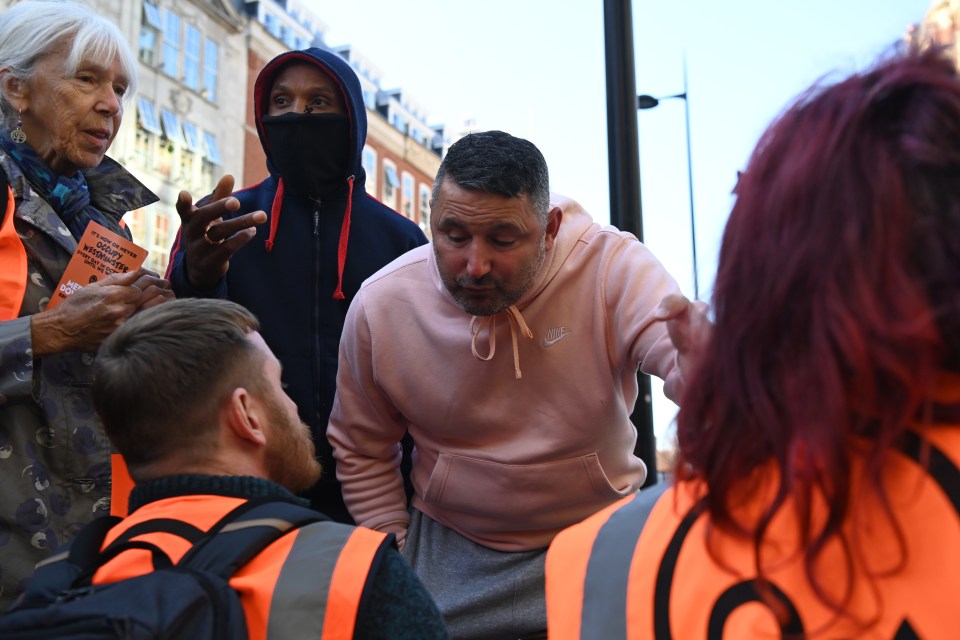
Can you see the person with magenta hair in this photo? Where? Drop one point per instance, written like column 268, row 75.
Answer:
column 818, row 489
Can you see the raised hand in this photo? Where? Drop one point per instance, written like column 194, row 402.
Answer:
column 689, row 327
column 210, row 241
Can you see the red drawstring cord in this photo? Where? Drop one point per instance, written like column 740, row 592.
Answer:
column 275, row 215
column 344, row 238
column 344, row 231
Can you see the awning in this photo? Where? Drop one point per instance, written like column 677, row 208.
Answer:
column 213, row 151
column 147, row 116
column 171, row 127
column 193, row 137
column 151, row 14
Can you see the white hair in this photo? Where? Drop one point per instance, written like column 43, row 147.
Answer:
column 31, row 29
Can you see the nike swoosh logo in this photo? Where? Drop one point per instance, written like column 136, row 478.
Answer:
column 555, row 335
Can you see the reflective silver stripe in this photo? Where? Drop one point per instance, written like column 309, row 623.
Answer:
column 55, row 558
column 276, row 523
column 300, row 596
column 608, row 570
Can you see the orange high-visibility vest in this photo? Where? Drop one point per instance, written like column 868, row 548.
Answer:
column 607, row 579
column 13, row 264
column 13, row 286
column 307, row 584
column 121, row 484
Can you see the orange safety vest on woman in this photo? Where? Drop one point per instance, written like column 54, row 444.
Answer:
column 308, row 584
column 13, row 262
column 13, row 284
column 606, row 579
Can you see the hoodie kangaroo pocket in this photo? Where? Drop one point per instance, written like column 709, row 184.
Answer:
column 528, row 497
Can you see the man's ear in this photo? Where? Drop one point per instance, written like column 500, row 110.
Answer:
column 554, row 218
column 243, row 414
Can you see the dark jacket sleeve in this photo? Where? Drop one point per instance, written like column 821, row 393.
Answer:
column 180, row 283
column 397, row 605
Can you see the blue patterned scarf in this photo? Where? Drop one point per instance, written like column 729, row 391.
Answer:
column 67, row 195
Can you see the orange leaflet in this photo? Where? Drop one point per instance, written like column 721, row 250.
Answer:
column 99, row 253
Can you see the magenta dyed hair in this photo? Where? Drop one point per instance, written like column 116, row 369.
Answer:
column 837, row 296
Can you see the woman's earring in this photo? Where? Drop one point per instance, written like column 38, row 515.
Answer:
column 18, row 135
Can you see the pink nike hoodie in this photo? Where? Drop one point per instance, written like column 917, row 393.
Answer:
column 505, row 461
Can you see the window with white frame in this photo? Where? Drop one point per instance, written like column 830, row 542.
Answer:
column 369, row 161
column 193, row 138
column 151, row 29
column 191, row 57
column 147, row 116
column 171, row 45
column 186, row 54
column 160, row 242
column 171, row 127
column 211, row 63
column 146, row 144
column 425, row 194
column 213, row 149
column 390, row 184
column 406, row 196
column 136, row 221
column 272, row 24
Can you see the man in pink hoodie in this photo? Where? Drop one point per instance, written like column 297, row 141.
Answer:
column 512, row 444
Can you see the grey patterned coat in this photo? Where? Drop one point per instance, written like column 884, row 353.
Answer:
column 54, row 455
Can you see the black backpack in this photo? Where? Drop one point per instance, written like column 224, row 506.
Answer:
column 189, row 599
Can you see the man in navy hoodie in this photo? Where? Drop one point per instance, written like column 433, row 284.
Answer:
column 295, row 248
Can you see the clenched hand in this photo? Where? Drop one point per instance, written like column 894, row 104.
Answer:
column 85, row 319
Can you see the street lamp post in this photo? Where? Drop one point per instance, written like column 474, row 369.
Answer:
column 649, row 102
column 625, row 202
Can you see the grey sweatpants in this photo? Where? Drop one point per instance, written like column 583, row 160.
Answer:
column 482, row 593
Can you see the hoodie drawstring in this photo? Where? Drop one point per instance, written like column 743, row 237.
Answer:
column 344, row 238
column 275, row 215
column 515, row 320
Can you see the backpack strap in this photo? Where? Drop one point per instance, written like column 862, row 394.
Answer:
column 232, row 542
column 179, row 528
column 244, row 532
column 56, row 573
column 90, row 555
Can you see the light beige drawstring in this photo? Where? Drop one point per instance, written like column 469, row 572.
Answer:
column 515, row 320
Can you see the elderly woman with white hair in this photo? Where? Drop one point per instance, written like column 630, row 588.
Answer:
column 64, row 73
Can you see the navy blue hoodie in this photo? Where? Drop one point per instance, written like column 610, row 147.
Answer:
column 289, row 273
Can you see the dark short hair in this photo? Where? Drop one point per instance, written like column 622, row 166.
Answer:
column 499, row 163
column 159, row 379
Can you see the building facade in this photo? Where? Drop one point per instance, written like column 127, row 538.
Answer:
column 191, row 119
column 186, row 131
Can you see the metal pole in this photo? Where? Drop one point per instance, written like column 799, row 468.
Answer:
column 624, row 166
column 622, row 147
column 693, row 227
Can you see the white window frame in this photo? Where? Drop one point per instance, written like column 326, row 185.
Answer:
column 391, row 184
column 370, row 168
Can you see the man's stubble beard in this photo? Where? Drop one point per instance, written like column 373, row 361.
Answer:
column 291, row 457
column 503, row 298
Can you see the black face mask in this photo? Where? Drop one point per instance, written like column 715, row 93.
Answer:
column 310, row 151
